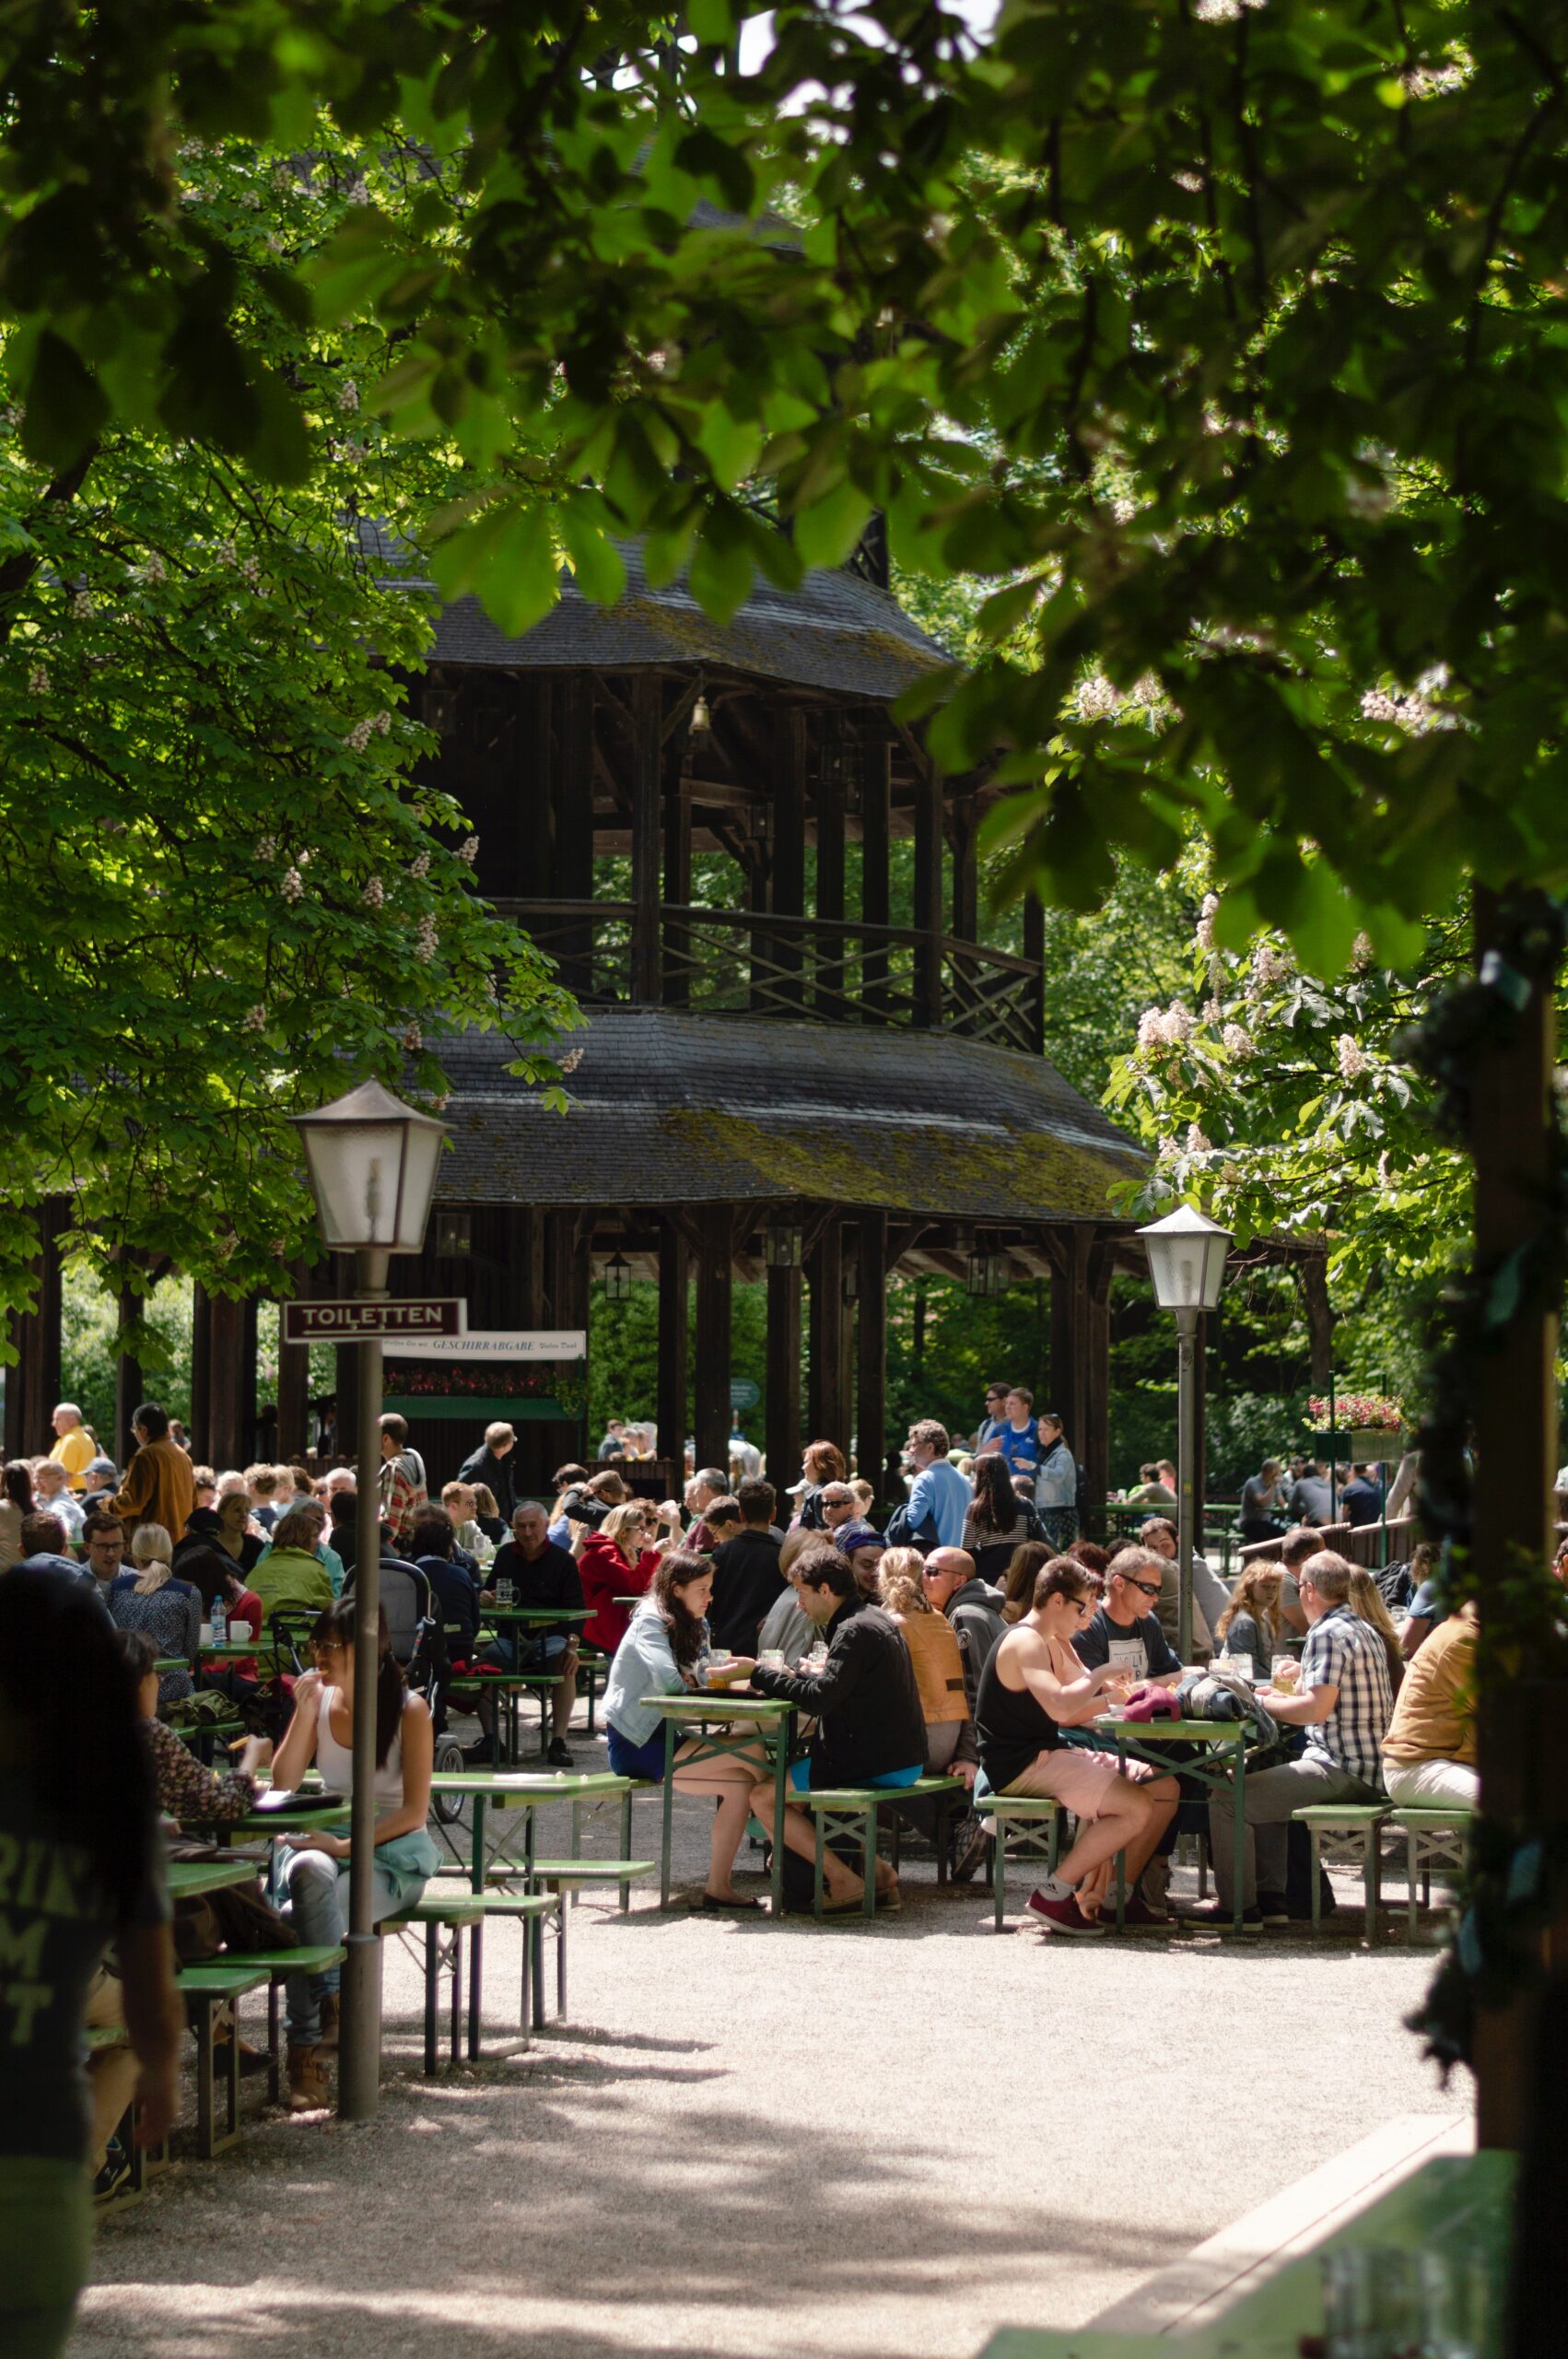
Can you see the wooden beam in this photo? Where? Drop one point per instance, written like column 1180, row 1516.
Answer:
column 870, row 1388
column 1034, row 947
column 875, row 756
column 1069, row 1337
column 572, row 791
column 966, row 904
column 781, row 1437
column 710, row 1410
column 646, row 782
column 830, row 796
column 790, row 847
column 826, row 1411
column 677, row 864
column 231, row 1415
column 928, row 912
column 201, row 1371
column 673, row 1370
column 1092, row 1445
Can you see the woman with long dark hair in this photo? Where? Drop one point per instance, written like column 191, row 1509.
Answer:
column 15, row 1501
column 998, row 1520
column 665, row 1652
column 310, row 1876
column 77, row 1804
column 1018, row 1580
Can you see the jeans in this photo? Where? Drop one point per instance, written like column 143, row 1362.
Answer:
column 1272, row 1796
column 312, row 1892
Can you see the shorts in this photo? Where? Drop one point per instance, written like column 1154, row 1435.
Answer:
column 1078, row 1778
column 527, row 1654
column 629, row 1760
column 800, row 1777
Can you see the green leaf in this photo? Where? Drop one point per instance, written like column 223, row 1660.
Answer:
column 597, row 564
column 713, row 21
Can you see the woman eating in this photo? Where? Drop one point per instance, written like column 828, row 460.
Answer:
column 665, row 1652
column 310, row 1874
column 1033, row 1688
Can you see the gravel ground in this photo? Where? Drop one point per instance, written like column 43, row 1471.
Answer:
column 758, row 2139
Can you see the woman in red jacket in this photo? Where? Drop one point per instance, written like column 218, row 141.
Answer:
column 619, row 1560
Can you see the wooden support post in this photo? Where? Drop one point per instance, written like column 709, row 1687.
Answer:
column 677, row 950
column 32, row 1381
column 870, row 1402
column 781, row 1439
column 828, row 996
column 1516, row 1441
column 876, row 905
column 674, row 1345
column 1034, row 947
column 789, row 853
column 1070, row 1334
column 571, row 793
column 564, row 1249
column 1092, row 1445
column 293, row 1375
column 647, row 773
column 828, row 1410
column 710, row 1419
column 231, row 1415
column 200, row 1372
column 929, row 923
column 965, row 876
column 127, row 1378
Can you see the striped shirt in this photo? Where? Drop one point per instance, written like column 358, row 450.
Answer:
column 1346, row 1653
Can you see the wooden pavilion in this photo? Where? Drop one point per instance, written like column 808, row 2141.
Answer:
column 830, row 1080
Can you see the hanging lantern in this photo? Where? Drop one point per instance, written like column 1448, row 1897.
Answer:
column 785, row 1246
column 702, row 720
column 617, row 1278
column 851, row 1280
column 987, row 1273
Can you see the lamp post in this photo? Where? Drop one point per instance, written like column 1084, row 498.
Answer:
column 1187, row 1262
column 372, row 1163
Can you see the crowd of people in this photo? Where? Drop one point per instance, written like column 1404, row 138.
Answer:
column 971, row 1631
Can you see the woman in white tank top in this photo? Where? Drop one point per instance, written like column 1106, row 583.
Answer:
column 310, row 1870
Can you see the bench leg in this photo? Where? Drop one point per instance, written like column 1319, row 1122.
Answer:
column 1371, row 1882
column 534, row 1933
column 626, row 1848
column 816, row 1886
column 1412, row 1872
column 1053, row 1843
column 525, row 2009
column 432, row 1973
column 1316, row 1881
column 476, row 1990
column 231, row 2075
column 274, row 2059
column 454, row 1967
column 867, row 1861
column 206, row 2014
column 998, row 1872
column 944, row 1843
column 560, row 1958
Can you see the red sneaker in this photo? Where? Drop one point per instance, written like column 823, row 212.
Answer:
column 1137, row 1912
column 1060, row 1916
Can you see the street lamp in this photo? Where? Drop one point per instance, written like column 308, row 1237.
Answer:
column 372, row 1163
column 1187, row 1262
column 617, row 1278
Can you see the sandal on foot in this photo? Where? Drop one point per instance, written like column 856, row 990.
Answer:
column 712, row 1900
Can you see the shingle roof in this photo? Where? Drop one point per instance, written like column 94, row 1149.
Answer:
column 837, row 632
column 676, row 1108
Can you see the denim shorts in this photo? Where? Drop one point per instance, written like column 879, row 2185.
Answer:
column 801, row 1781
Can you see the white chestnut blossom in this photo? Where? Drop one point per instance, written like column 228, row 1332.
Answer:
column 1216, row 12
column 420, row 867
column 374, row 893
column 1268, row 966
column 1212, row 1012
column 1206, row 917
column 250, row 200
column 266, row 847
column 348, row 395
column 413, row 1037
column 256, row 1018
column 1165, row 1028
column 1096, row 699
column 571, row 1061
column 1239, row 1040
column 1195, row 1142
column 1353, row 1057
column 426, row 941
column 360, row 736
column 37, row 680
column 468, row 851
column 152, row 569
column 81, row 606
column 293, row 886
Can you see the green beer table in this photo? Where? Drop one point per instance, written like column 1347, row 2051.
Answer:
column 722, row 1724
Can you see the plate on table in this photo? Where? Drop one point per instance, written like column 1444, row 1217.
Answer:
column 311, row 1797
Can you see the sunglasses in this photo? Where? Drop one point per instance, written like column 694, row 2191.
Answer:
column 1149, row 1589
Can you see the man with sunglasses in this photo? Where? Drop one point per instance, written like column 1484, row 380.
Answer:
column 1126, row 1631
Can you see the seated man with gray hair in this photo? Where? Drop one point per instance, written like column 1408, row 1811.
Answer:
column 1344, row 1700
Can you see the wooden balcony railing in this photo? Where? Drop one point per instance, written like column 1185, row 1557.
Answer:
column 745, row 962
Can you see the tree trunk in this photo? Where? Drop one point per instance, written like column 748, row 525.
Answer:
column 1312, row 1276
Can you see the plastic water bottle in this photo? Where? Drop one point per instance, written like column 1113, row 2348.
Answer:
column 219, row 1623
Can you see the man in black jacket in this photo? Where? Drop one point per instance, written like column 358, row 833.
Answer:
column 746, row 1579
column 869, row 1732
